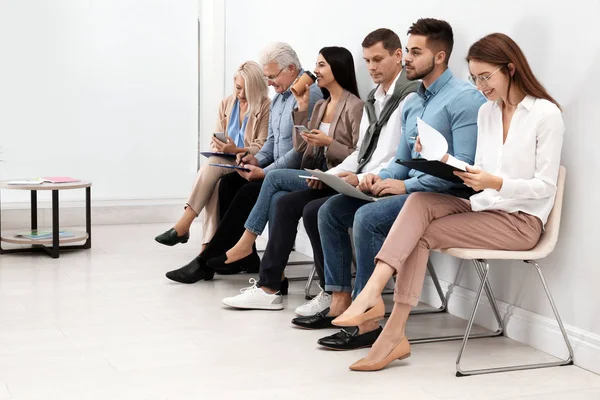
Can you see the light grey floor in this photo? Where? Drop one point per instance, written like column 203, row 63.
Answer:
column 106, row 324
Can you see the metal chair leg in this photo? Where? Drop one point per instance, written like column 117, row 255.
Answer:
column 480, row 267
column 481, row 271
column 309, row 282
column 484, row 282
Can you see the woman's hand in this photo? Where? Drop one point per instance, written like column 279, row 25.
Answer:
column 478, row 179
column 230, row 147
column 216, row 144
column 317, row 138
column 304, row 99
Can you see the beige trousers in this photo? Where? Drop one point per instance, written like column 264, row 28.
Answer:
column 437, row 221
column 205, row 194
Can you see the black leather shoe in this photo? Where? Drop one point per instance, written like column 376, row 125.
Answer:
column 170, row 238
column 349, row 339
column 196, row 270
column 247, row 263
column 317, row 321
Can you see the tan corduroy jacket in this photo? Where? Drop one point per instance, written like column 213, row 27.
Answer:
column 257, row 127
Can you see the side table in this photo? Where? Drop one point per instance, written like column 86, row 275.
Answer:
column 52, row 246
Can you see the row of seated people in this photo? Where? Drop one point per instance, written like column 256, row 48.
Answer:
column 503, row 127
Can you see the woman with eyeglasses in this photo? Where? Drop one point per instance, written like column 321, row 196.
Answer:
column 244, row 121
column 520, row 135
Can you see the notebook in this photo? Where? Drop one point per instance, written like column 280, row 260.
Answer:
column 60, row 179
column 343, row 187
column 43, row 234
column 39, row 181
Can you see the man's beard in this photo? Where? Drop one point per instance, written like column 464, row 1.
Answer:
column 421, row 74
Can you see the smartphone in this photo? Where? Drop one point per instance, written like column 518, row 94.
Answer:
column 220, row 136
column 303, row 129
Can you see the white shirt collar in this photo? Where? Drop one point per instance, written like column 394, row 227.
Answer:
column 380, row 95
column 526, row 103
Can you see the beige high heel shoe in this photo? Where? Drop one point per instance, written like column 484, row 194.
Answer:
column 376, row 313
column 401, row 352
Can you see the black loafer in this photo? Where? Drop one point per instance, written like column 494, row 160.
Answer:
column 250, row 262
column 170, row 238
column 317, row 321
column 196, row 270
column 349, row 339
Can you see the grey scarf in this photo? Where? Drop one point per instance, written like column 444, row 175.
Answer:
column 402, row 89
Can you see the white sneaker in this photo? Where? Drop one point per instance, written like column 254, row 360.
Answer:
column 254, row 298
column 319, row 303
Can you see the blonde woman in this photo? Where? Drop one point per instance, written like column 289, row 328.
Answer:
column 244, row 118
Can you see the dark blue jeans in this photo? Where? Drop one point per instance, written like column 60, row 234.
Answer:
column 370, row 223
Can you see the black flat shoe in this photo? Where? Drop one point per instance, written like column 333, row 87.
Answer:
column 349, row 339
column 247, row 263
column 170, row 238
column 317, row 321
column 196, row 270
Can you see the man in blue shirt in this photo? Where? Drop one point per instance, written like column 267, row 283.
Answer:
column 238, row 192
column 448, row 105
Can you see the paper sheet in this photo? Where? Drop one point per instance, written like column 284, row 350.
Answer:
column 434, row 144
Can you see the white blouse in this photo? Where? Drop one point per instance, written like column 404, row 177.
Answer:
column 324, row 127
column 528, row 161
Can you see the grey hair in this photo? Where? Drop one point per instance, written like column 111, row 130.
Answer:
column 281, row 53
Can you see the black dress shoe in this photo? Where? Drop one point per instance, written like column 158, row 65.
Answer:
column 247, row 263
column 349, row 339
column 318, row 321
column 196, row 270
column 170, row 238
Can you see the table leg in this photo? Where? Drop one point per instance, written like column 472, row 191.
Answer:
column 2, row 251
column 55, row 224
column 88, row 217
column 34, row 214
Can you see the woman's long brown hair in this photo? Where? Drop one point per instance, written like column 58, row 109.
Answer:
column 501, row 50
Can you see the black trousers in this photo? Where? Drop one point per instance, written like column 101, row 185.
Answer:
column 289, row 209
column 228, row 188
column 237, row 196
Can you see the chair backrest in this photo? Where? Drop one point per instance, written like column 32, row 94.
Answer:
column 549, row 237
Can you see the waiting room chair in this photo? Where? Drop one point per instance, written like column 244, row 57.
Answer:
column 480, row 258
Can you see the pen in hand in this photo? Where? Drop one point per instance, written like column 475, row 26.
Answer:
column 242, row 158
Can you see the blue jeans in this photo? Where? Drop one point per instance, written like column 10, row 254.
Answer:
column 277, row 183
column 370, row 223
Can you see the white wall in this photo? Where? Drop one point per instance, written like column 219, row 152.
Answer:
column 564, row 54
column 105, row 90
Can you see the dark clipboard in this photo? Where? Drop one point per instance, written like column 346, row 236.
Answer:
column 230, row 167
column 434, row 168
column 218, row 154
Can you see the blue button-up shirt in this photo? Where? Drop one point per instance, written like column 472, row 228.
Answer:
column 278, row 151
column 449, row 105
